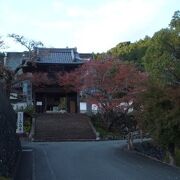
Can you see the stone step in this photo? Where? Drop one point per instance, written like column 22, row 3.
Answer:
column 57, row 127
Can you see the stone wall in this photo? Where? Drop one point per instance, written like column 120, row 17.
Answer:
column 10, row 147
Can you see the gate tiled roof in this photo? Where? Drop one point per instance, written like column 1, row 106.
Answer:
column 58, row 55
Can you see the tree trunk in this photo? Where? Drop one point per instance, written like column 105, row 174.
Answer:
column 108, row 119
column 130, row 141
column 110, row 124
column 171, row 154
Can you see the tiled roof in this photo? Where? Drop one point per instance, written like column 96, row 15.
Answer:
column 58, row 55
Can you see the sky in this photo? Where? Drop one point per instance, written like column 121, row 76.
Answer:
column 90, row 25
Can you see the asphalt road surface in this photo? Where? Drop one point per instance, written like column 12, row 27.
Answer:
column 102, row 160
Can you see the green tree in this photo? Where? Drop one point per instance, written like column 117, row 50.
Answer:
column 160, row 115
column 132, row 52
column 162, row 58
column 161, row 101
column 175, row 22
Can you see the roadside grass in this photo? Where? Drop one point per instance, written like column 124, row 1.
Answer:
column 27, row 125
column 4, row 178
column 105, row 134
column 103, row 131
column 152, row 149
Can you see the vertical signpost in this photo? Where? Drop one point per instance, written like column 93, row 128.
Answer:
column 20, row 118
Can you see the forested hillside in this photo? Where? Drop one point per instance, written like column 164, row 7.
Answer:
column 158, row 56
column 164, row 44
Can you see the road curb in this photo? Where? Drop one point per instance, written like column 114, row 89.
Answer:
column 65, row 140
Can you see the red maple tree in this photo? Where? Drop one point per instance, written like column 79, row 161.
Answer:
column 37, row 79
column 111, row 85
column 104, row 83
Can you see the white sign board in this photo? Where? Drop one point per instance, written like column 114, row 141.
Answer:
column 83, row 106
column 94, row 107
column 20, row 119
column 39, row 103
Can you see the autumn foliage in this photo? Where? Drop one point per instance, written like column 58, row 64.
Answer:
column 105, row 83
column 111, row 85
column 37, row 79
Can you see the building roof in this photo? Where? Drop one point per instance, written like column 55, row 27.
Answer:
column 58, row 55
column 86, row 55
column 13, row 60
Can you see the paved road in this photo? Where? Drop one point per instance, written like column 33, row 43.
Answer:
column 95, row 161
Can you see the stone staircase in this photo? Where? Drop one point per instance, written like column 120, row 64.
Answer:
column 63, row 127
